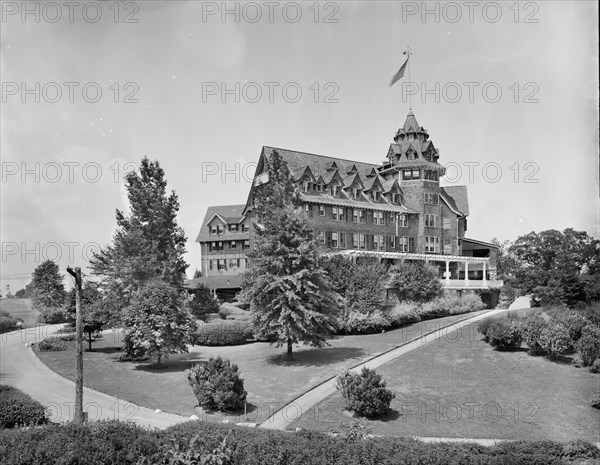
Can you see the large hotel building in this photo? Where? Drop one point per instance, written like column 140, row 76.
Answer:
column 392, row 211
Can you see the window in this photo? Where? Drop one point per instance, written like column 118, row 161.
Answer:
column 334, row 240
column 402, row 220
column 319, row 187
column 234, row 263
column 321, row 210
column 378, row 218
column 308, row 210
column 432, row 199
column 395, row 198
column 233, row 227
column 213, row 229
column 338, row 213
column 216, row 246
column 356, row 193
column 447, row 223
column 415, row 174
column 410, row 155
column 355, row 215
column 361, row 216
column 403, row 244
column 246, row 245
column 342, row 240
column 431, row 175
column 246, row 227
column 335, row 190
column 406, row 174
column 432, row 221
column 378, row 242
column 411, row 244
column 321, row 237
column 306, row 185
column 212, row 264
column 375, row 196
column 432, row 244
column 232, row 245
column 355, row 240
column 392, row 242
column 221, row 264
column 361, row 241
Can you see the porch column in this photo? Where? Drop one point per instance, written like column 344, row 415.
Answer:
column 466, row 273
column 447, row 272
column 484, row 276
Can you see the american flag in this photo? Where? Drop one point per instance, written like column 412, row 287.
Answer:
column 400, row 72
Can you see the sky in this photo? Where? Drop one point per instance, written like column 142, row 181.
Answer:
column 507, row 90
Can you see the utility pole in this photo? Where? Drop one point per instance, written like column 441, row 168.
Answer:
column 79, row 415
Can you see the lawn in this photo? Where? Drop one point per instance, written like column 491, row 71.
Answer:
column 20, row 308
column 271, row 381
column 461, row 387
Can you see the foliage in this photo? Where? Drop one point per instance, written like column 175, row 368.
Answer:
column 507, row 263
column 363, row 323
column 340, row 269
column 508, row 294
column 450, row 305
column 554, row 339
column 52, row 315
column 504, row 332
column 230, row 311
column 18, row 409
column 217, row 384
column 290, row 296
column 404, row 313
column 483, row 327
column 573, row 322
column 188, row 454
column 223, row 333
column 95, row 315
column 52, row 344
column 202, row 302
column 148, row 244
column 7, row 322
column 532, row 326
column 366, row 287
column 596, row 402
column 113, row 442
column 47, row 286
column 588, row 345
column 558, row 267
column 416, row 281
column 364, row 393
column 156, row 324
column 353, row 432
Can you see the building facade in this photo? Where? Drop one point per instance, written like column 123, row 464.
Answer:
column 392, row 211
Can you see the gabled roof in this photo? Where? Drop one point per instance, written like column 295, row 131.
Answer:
column 456, row 198
column 481, row 243
column 231, row 214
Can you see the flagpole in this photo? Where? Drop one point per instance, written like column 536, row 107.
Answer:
column 408, row 53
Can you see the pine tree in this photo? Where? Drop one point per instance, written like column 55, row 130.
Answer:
column 148, row 243
column 48, row 290
column 290, row 296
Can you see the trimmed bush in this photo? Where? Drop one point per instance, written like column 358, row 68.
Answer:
column 364, row 393
column 588, row 345
column 532, row 326
column 573, row 322
column 52, row 315
column 404, row 313
column 52, row 344
column 363, row 323
column 7, row 323
column 554, row 339
column 504, row 333
column 484, row 326
column 223, row 333
column 217, row 384
column 18, row 409
column 451, row 305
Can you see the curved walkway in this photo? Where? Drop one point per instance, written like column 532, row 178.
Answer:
column 20, row 367
column 292, row 411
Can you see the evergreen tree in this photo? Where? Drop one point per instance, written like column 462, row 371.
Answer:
column 95, row 315
column 289, row 294
column 47, row 288
column 148, row 243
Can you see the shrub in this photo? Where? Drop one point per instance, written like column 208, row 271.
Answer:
column 52, row 315
column 364, row 393
column 596, row 401
column 217, row 384
column 416, row 281
column 588, row 345
column 451, row 305
column 532, row 326
column 484, row 326
column 505, row 332
column 228, row 310
column 579, row 449
column 223, row 333
column 7, row 323
column 554, row 339
column 363, row 323
column 52, row 344
column 18, row 409
column 352, row 432
column 574, row 323
column 201, row 302
column 404, row 313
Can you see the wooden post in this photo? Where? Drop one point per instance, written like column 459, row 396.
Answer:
column 79, row 416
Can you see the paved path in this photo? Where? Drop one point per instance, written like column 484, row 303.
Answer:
column 20, row 367
column 290, row 412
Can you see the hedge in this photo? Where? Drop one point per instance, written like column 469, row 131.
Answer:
column 223, row 333
column 111, row 442
column 18, row 409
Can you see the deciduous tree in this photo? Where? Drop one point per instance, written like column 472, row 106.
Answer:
column 47, row 286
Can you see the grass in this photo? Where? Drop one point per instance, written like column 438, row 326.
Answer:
column 20, row 308
column 271, row 381
column 464, row 388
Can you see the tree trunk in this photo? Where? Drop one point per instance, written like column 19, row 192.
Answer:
column 159, row 356
column 290, row 356
column 90, row 341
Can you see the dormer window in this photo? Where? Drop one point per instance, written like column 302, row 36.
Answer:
column 395, row 198
column 335, row 190
column 375, row 196
column 410, row 155
column 233, row 227
column 319, row 187
column 306, row 185
column 356, row 193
